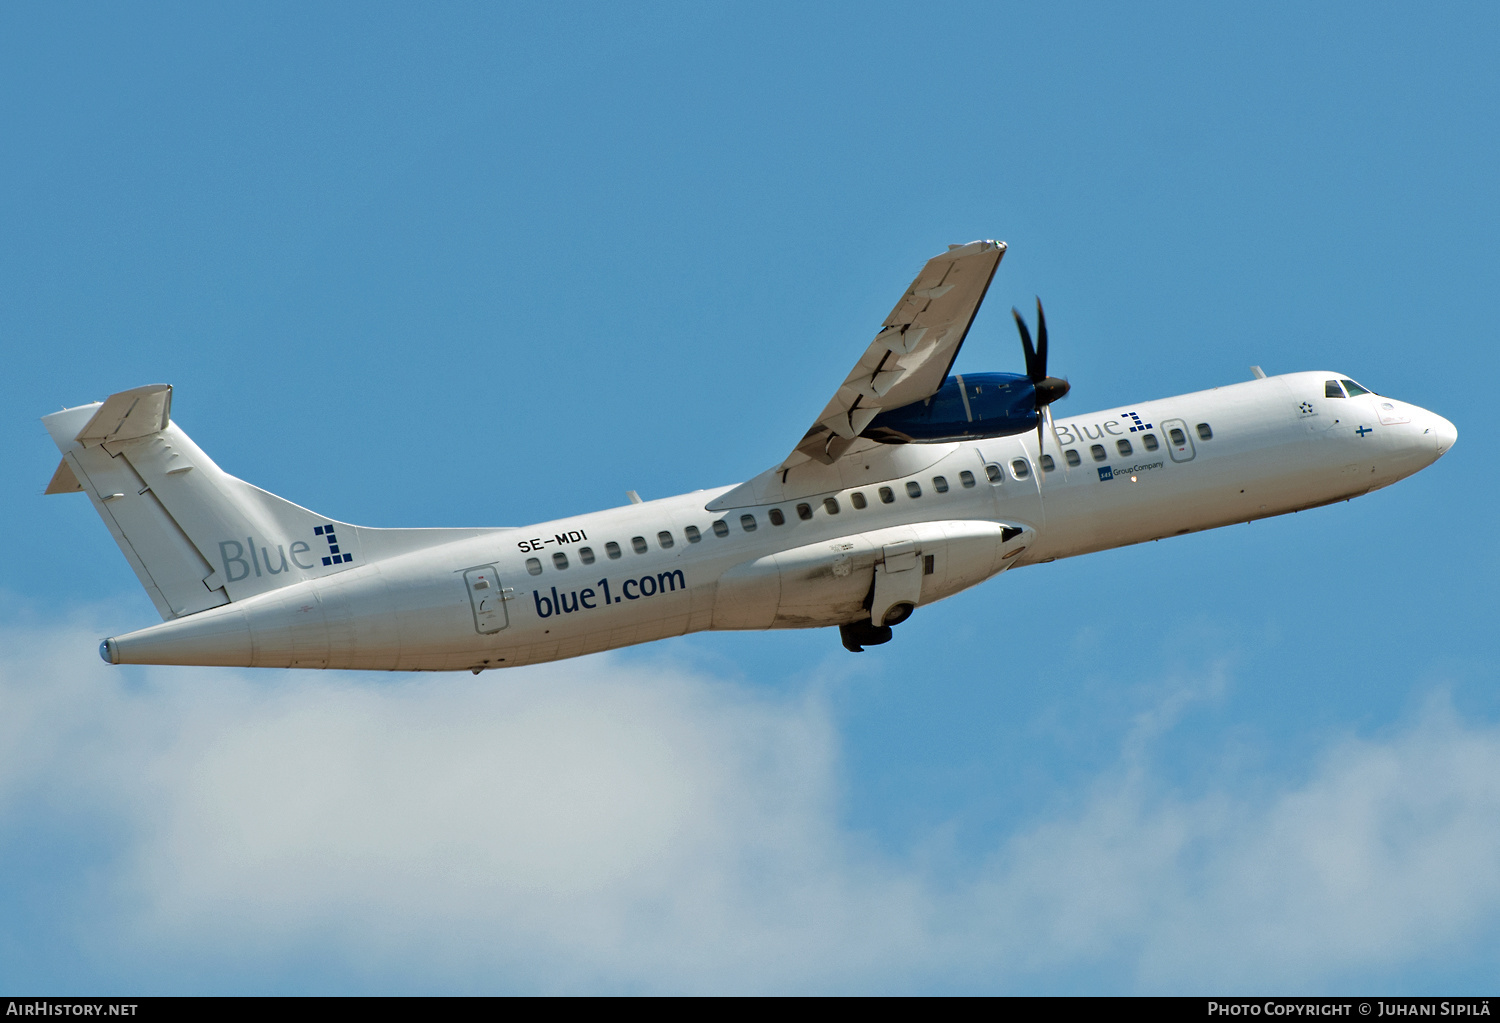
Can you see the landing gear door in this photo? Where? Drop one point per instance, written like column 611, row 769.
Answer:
column 1179, row 441
column 487, row 598
column 898, row 583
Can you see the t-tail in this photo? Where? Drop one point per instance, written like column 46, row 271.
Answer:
column 197, row 537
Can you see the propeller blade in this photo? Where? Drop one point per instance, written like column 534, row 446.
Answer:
column 1026, row 344
column 1041, row 342
column 1051, row 432
column 1048, row 389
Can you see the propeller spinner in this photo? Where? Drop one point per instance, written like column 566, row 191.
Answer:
column 1048, row 389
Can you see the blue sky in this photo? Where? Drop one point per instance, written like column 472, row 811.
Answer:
column 476, row 264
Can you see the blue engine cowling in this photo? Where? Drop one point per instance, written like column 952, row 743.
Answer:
column 997, row 405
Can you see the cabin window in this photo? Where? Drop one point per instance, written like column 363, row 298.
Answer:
column 940, row 484
column 1150, row 441
column 533, row 566
column 913, row 489
column 777, row 518
column 1331, row 389
column 992, row 473
column 721, row 528
column 1048, row 464
column 1123, row 447
column 1073, row 457
column 747, row 522
column 804, row 512
column 1019, row 469
column 831, row 505
column 1205, row 432
column 1097, row 450
column 887, row 495
column 966, row 478
column 611, row 550
column 638, row 544
column 559, row 560
column 692, row 534
column 858, row 500
column 1178, row 437
column 586, row 555
column 664, row 539
column 1353, row 388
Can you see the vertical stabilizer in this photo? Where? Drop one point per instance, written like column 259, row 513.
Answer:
column 196, row 536
column 169, row 565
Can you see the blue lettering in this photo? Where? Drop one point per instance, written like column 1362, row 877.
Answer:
column 585, row 597
column 625, row 588
column 267, row 556
column 234, row 558
column 672, row 579
column 540, row 600
column 300, row 547
column 563, row 604
column 645, row 592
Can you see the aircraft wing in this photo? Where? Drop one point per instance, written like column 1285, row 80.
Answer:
column 911, row 356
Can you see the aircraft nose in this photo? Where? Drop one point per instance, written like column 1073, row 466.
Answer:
column 1444, row 432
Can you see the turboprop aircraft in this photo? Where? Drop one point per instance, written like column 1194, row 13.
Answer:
column 910, row 486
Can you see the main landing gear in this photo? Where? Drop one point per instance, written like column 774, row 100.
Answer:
column 863, row 633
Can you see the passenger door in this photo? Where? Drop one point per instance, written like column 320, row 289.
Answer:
column 487, row 597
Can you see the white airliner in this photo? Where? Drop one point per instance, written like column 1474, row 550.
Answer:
column 910, row 486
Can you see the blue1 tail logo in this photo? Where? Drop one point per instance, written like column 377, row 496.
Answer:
column 334, row 557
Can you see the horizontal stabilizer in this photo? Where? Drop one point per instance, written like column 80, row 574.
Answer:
column 138, row 412
column 64, row 480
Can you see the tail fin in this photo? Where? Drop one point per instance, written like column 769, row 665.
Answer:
column 196, row 536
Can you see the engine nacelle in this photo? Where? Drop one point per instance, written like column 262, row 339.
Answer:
column 964, row 408
column 865, row 576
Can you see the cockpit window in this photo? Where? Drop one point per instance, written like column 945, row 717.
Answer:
column 1331, row 389
column 1353, row 388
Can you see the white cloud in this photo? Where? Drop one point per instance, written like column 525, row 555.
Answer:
column 592, row 825
column 1388, row 853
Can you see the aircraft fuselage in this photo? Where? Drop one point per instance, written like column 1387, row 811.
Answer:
column 905, row 525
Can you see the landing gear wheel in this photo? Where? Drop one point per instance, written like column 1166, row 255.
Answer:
column 862, row 634
column 899, row 613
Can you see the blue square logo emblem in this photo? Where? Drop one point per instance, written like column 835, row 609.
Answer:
column 1106, row 473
